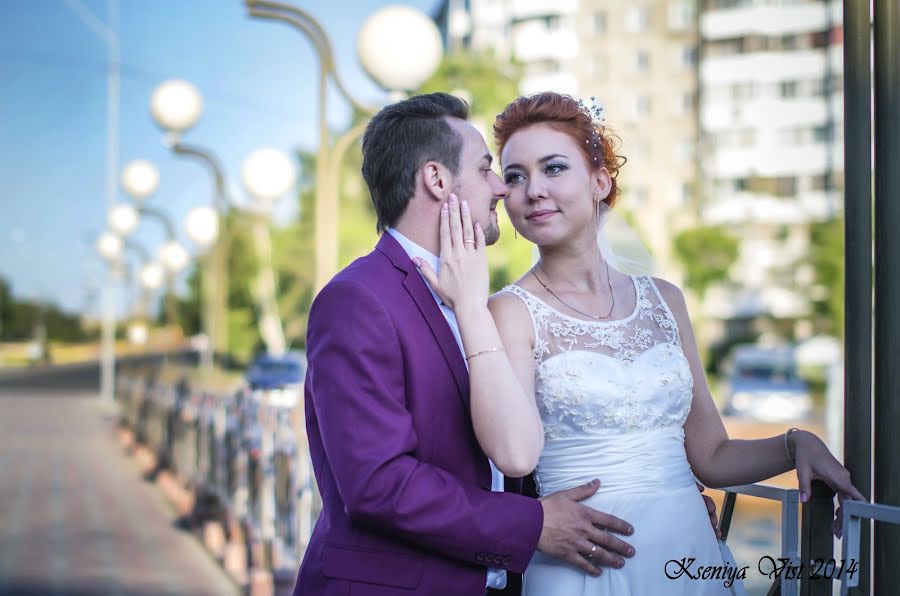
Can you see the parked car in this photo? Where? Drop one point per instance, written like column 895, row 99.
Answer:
column 764, row 385
column 279, row 377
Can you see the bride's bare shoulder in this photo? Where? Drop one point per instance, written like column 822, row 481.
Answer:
column 509, row 307
column 673, row 296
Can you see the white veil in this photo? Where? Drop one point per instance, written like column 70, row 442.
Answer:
column 619, row 244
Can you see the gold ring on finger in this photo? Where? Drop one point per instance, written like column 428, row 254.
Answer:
column 590, row 555
column 468, row 242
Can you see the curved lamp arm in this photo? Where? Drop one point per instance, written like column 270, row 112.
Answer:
column 209, row 159
column 162, row 218
column 138, row 249
column 299, row 18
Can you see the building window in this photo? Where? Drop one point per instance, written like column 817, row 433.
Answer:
column 821, row 134
column 640, row 196
column 641, row 108
column 787, row 89
column 552, row 22
column 688, row 56
column 637, row 19
column 681, row 14
column 685, row 103
column 779, row 186
column 596, row 67
column 598, row 23
column 640, row 150
column 685, row 194
column 818, row 182
column 685, row 150
column 642, row 61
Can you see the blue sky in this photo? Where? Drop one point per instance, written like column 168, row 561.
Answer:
column 258, row 79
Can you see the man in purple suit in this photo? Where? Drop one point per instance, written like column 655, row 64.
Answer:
column 411, row 504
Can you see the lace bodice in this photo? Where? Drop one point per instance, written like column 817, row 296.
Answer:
column 608, row 377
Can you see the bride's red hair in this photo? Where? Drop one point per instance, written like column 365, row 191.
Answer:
column 563, row 113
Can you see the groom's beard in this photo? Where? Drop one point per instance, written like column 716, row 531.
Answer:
column 492, row 231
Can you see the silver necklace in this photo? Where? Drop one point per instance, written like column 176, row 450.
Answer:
column 581, row 312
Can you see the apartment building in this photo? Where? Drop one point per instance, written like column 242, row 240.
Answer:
column 638, row 59
column 771, row 157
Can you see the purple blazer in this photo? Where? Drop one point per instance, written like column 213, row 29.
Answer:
column 407, row 505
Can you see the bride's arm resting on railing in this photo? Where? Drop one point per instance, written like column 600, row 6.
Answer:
column 718, row 461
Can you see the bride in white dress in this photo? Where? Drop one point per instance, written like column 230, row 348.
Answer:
column 618, row 382
column 611, row 363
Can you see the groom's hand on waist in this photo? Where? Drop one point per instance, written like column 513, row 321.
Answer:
column 581, row 535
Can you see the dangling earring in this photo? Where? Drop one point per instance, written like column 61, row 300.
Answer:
column 516, row 233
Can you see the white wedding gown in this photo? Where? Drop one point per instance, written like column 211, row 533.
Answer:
column 613, row 397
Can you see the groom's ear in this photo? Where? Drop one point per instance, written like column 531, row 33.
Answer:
column 436, row 180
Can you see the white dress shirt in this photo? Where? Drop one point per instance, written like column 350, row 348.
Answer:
column 496, row 578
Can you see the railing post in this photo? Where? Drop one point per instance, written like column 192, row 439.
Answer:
column 816, row 544
column 886, row 22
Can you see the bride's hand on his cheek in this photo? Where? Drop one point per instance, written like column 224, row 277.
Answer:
column 463, row 279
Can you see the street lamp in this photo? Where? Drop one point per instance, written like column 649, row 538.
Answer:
column 122, row 219
column 152, row 275
column 138, row 333
column 202, row 226
column 173, row 256
column 267, row 174
column 140, row 180
column 176, row 106
column 109, row 246
column 400, row 48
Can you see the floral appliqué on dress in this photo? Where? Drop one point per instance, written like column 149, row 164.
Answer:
column 600, row 377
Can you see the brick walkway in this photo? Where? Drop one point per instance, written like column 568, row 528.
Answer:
column 75, row 516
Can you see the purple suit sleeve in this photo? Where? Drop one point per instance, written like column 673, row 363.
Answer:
column 357, row 388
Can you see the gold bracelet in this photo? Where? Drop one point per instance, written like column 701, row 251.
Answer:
column 787, row 448
column 497, row 349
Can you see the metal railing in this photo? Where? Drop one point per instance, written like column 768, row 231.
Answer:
column 242, row 454
column 804, row 546
column 853, row 514
column 245, row 458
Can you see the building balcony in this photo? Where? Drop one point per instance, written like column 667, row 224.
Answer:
column 532, row 41
column 765, row 20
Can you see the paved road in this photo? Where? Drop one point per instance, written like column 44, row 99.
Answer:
column 75, row 516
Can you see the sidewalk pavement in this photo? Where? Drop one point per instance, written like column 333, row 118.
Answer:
column 75, row 515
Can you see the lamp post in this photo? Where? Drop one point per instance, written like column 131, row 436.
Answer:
column 150, row 277
column 140, row 180
column 399, row 48
column 267, row 174
column 109, row 246
column 202, row 227
column 176, row 106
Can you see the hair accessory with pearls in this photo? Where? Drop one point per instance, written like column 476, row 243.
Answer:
column 595, row 112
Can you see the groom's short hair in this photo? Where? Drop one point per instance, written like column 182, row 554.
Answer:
column 399, row 140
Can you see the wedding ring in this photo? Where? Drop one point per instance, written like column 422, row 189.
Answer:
column 590, row 555
column 468, row 242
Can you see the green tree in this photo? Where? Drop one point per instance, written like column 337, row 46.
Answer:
column 826, row 255
column 706, row 253
column 20, row 318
